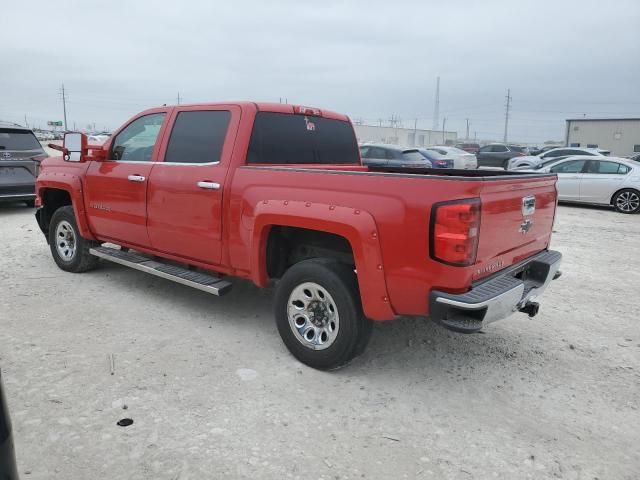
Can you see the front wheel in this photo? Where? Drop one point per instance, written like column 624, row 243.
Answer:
column 627, row 201
column 319, row 315
column 69, row 250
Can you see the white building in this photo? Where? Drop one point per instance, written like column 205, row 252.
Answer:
column 619, row 135
column 408, row 137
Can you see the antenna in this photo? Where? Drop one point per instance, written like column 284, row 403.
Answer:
column 178, row 98
column 436, row 107
column 506, row 115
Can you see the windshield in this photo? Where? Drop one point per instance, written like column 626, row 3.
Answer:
column 14, row 139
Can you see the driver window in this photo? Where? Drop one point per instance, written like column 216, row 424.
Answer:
column 569, row 167
column 135, row 143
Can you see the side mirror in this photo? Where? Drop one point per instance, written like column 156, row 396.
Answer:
column 75, row 145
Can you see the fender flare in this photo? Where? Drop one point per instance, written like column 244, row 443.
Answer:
column 72, row 184
column 357, row 226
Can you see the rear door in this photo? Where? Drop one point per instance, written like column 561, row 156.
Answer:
column 186, row 188
column 116, row 189
column 601, row 179
column 569, row 178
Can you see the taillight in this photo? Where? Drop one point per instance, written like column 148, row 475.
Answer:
column 454, row 233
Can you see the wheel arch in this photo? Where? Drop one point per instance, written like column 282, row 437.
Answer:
column 356, row 227
column 53, row 193
column 620, row 190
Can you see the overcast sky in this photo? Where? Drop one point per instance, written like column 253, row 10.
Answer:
column 368, row 59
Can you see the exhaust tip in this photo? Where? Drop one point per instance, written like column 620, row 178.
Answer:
column 531, row 309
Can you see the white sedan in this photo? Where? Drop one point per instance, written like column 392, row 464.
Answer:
column 461, row 159
column 598, row 180
column 532, row 161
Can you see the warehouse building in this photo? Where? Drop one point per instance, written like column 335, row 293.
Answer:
column 621, row 136
column 409, row 137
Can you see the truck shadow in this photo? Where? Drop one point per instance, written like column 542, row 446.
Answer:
column 404, row 344
column 14, row 208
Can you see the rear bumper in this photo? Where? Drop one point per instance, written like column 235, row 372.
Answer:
column 513, row 289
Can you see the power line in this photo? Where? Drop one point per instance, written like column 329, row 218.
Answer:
column 506, row 115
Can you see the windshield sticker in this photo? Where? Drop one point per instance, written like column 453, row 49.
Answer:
column 310, row 125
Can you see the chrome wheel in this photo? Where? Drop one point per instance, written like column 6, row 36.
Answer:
column 628, row 201
column 313, row 316
column 65, row 241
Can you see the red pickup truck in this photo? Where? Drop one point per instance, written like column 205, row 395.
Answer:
column 271, row 192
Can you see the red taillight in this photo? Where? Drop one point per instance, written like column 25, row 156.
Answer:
column 454, row 232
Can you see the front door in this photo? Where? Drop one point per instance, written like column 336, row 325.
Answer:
column 186, row 188
column 569, row 177
column 116, row 189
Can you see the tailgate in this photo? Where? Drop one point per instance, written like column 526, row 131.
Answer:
column 511, row 229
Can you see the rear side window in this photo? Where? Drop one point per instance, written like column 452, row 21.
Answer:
column 499, row 148
column 281, row 138
column 13, row 139
column 198, row 137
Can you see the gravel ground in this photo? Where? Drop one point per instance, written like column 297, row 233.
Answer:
column 214, row 394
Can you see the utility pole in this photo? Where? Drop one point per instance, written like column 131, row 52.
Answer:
column 436, row 107
column 467, row 135
column 178, row 98
column 26, row 124
column 64, row 106
column 415, row 132
column 506, row 115
column 444, row 122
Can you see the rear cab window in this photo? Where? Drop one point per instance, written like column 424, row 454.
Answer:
column 283, row 138
column 18, row 140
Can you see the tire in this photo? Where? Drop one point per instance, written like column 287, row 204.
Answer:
column 30, row 203
column 627, row 201
column 69, row 250
column 505, row 164
column 334, row 299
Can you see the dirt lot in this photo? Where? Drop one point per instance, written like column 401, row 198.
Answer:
column 214, row 394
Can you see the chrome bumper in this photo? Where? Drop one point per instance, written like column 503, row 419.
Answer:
column 513, row 289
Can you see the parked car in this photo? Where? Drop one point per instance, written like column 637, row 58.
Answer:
column 437, row 161
column 469, row 147
column 461, row 159
column 635, row 158
column 277, row 193
column 527, row 162
column 382, row 155
column 20, row 154
column 597, row 180
column 8, row 469
column 498, row 155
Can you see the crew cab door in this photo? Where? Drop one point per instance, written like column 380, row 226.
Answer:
column 116, row 189
column 186, row 187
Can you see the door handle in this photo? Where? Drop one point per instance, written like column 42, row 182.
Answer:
column 136, row 178
column 209, row 185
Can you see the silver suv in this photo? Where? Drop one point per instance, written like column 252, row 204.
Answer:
column 20, row 156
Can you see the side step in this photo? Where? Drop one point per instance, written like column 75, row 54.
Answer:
column 201, row 281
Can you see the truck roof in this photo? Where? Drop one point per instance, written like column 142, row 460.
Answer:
column 268, row 107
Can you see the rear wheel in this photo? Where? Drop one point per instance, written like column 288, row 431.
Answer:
column 627, row 201
column 505, row 164
column 69, row 250
column 30, row 203
column 319, row 315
